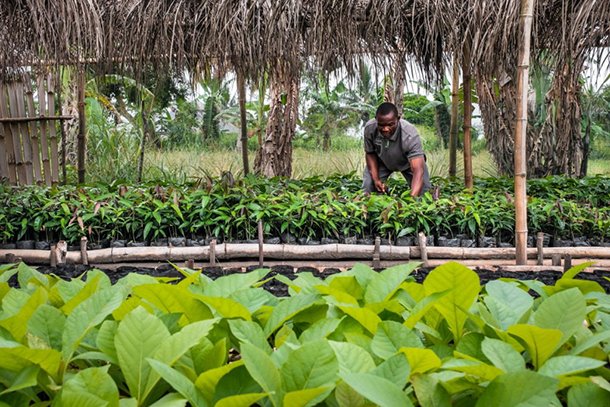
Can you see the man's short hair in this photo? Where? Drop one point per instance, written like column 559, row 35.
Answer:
column 386, row 108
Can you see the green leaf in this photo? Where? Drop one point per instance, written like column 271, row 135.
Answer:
column 178, row 382
column 568, row 365
column 387, row 282
column 391, row 336
column 226, row 285
column 138, row 337
column 430, row 392
column 170, row 400
column 251, row 332
column 105, row 339
column 306, row 397
column 28, row 377
column 588, row 395
column 287, row 309
column 540, row 343
column 377, row 389
column 506, row 302
column 565, row 311
column 421, row 360
column 17, row 324
column 263, row 371
column 173, row 299
column 47, row 323
column 463, row 285
column 310, row 366
column 87, row 315
column 241, row 400
column 502, row 355
column 422, row 307
column 91, row 387
column 352, row 358
column 207, row 381
column 395, row 369
column 348, row 397
column 367, row 318
column 19, row 357
column 590, row 342
column 226, row 307
column 320, row 329
column 523, row 388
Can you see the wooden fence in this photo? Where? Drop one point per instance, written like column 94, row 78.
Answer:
column 28, row 131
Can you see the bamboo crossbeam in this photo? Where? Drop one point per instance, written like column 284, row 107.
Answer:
column 33, row 119
column 232, row 251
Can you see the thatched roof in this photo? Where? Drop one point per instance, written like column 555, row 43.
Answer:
column 253, row 35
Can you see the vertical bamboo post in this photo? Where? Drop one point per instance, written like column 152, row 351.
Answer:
column 525, row 23
column 261, row 237
column 81, row 138
column 143, row 138
column 33, row 130
column 16, row 131
column 241, row 88
column 540, row 249
column 44, row 129
column 53, row 131
column 25, row 130
column 62, row 131
column 7, row 164
column 468, row 179
column 453, row 132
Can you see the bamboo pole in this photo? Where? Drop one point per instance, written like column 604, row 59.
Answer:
column 33, row 131
column 453, row 133
column 44, row 129
column 26, row 131
column 230, row 251
column 468, row 178
column 53, row 131
column 82, row 128
column 525, row 23
column 62, row 130
column 6, row 170
column 241, row 88
column 16, row 130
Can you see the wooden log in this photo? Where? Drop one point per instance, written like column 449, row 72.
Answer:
column 52, row 131
column 44, row 130
column 556, row 259
column 61, row 252
column 33, row 131
column 213, row 252
column 567, row 262
column 190, row 264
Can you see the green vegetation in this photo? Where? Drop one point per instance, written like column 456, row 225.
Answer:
column 333, row 207
column 354, row 338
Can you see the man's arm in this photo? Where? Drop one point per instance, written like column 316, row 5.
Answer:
column 371, row 163
column 417, row 168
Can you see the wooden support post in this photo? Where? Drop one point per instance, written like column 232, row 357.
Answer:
column 261, row 253
column 11, row 258
column 556, row 259
column 376, row 253
column 53, row 256
column 540, row 248
column 567, row 262
column 190, row 264
column 213, row 252
column 423, row 250
column 84, row 258
column 61, row 251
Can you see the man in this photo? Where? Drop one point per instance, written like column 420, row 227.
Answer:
column 393, row 144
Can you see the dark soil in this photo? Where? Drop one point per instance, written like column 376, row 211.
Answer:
column 278, row 288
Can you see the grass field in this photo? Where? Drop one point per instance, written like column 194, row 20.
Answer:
column 307, row 162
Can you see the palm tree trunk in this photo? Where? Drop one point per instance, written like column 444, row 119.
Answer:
column 453, row 133
column 274, row 158
column 527, row 7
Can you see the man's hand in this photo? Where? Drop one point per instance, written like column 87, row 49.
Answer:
column 417, row 182
column 379, row 186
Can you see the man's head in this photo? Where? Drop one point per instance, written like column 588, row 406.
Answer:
column 387, row 119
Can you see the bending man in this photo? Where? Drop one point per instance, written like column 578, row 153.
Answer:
column 393, row 144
